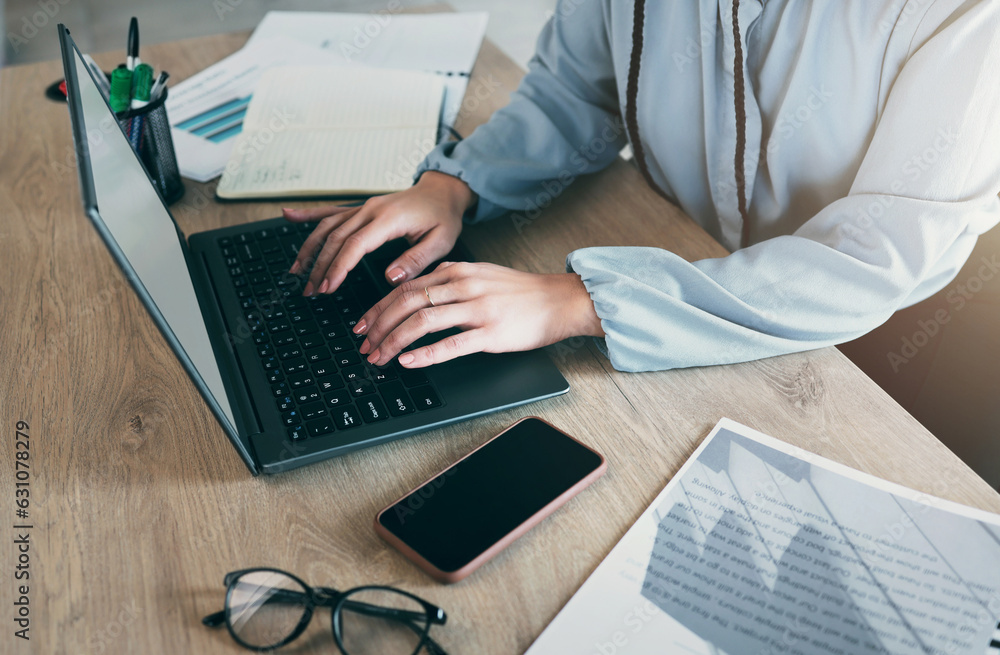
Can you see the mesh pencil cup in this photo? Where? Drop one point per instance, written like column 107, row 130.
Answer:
column 148, row 128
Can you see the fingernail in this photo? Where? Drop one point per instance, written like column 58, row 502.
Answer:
column 364, row 347
column 287, row 210
column 308, row 290
column 396, row 275
column 360, row 327
column 322, row 286
column 405, row 358
column 373, row 357
column 294, row 269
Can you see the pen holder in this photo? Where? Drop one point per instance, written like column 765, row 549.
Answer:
column 148, row 130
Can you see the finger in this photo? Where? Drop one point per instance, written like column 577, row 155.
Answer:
column 463, row 343
column 314, row 213
column 316, row 238
column 347, row 232
column 421, row 323
column 399, row 303
column 433, row 245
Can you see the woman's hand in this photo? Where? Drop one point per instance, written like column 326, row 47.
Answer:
column 498, row 309
column 428, row 215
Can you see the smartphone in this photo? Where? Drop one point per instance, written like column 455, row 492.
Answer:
column 463, row 516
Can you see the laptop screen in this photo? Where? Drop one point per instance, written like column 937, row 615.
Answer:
column 137, row 221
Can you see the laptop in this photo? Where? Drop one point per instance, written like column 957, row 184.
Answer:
column 280, row 372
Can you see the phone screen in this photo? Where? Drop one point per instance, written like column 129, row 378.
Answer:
column 478, row 501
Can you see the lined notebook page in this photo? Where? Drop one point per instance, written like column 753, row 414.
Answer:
column 333, row 130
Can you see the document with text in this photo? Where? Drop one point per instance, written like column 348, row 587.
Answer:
column 759, row 547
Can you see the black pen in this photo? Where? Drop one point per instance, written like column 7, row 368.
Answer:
column 133, row 44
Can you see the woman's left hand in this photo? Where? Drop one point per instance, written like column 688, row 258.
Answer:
column 498, row 309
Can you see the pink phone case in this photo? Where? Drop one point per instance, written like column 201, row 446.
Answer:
column 489, row 553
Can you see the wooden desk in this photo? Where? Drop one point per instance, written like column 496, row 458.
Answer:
column 140, row 505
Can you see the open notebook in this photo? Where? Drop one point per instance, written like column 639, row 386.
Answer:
column 333, row 130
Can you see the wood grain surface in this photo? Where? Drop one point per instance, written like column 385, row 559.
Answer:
column 140, row 505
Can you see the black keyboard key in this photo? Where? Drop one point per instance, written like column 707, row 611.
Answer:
column 248, row 252
column 290, row 246
column 283, row 338
column 274, row 313
column 425, row 397
column 382, row 375
column 264, row 292
column 353, row 373
column 296, row 303
column 239, row 282
column 259, row 278
column 307, row 226
column 246, row 237
column 255, row 268
column 245, row 292
column 278, row 326
column 346, row 417
column 289, row 351
column 236, row 271
column 226, row 242
column 297, row 433
column 361, row 387
column 274, row 377
column 330, row 383
column 284, row 230
column 331, row 332
column 320, row 426
column 294, row 365
column 347, row 359
column 312, row 410
column 248, row 303
column 286, row 404
column 280, row 389
column 270, row 363
column 396, row 399
column 317, row 354
column 232, row 261
column 303, row 379
column 260, row 338
column 412, row 378
column 306, row 327
column 265, row 350
column 269, row 246
column 306, row 395
column 324, row 369
column 277, row 259
column 291, row 419
column 337, row 398
column 372, row 409
column 311, row 340
column 264, row 233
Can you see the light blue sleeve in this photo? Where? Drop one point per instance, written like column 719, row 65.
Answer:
column 562, row 122
column 885, row 245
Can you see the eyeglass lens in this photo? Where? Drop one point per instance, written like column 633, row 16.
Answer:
column 265, row 607
column 366, row 629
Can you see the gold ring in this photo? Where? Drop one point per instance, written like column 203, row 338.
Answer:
column 427, row 293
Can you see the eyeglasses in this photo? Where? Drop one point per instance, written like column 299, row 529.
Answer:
column 268, row 608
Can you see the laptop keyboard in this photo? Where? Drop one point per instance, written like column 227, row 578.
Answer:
column 320, row 382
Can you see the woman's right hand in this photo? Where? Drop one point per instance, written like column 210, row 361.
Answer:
column 428, row 215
